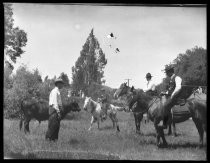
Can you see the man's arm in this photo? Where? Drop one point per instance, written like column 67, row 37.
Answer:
column 178, row 81
column 55, row 103
column 151, row 86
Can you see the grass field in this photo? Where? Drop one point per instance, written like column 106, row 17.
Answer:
column 75, row 142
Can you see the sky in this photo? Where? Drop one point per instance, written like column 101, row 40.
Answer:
column 148, row 37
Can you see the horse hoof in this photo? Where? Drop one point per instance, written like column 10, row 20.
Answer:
column 118, row 129
column 158, row 145
column 165, row 145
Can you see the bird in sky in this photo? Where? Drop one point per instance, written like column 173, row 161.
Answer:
column 117, row 50
column 111, row 35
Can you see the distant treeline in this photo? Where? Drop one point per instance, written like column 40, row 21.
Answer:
column 191, row 66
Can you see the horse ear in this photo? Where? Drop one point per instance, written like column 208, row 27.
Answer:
column 132, row 88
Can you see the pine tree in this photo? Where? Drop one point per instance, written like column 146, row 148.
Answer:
column 90, row 65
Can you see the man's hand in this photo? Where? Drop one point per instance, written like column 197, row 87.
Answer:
column 163, row 93
column 59, row 115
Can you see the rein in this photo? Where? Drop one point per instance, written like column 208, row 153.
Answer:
column 131, row 95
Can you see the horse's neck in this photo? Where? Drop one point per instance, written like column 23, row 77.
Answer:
column 93, row 105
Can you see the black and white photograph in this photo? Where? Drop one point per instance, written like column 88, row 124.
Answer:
column 100, row 81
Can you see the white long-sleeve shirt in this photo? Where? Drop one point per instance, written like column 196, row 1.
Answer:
column 55, row 99
column 178, row 82
column 150, row 86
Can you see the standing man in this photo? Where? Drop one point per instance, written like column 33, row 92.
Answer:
column 173, row 93
column 55, row 108
column 150, row 88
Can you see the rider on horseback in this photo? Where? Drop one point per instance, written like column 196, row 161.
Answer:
column 150, row 88
column 105, row 103
column 173, row 92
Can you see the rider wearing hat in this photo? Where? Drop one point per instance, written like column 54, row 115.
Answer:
column 150, row 88
column 172, row 93
column 55, row 106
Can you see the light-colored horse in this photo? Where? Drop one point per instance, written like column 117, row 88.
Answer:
column 95, row 109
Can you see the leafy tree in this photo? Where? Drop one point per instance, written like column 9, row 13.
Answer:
column 7, row 77
column 25, row 85
column 191, row 66
column 65, row 79
column 163, row 85
column 90, row 65
column 14, row 38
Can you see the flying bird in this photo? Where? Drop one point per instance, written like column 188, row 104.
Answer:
column 111, row 35
column 117, row 50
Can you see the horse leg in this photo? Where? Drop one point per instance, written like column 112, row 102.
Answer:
column 91, row 123
column 116, row 122
column 112, row 118
column 138, row 117
column 21, row 123
column 98, row 123
column 165, row 144
column 169, row 129
column 163, row 137
column 26, row 125
column 199, row 127
column 157, row 132
column 174, row 129
column 147, row 120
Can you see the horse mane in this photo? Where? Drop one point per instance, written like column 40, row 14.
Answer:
column 141, row 97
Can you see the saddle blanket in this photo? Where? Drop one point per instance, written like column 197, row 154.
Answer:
column 180, row 113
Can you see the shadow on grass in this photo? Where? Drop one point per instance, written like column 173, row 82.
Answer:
column 153, row 134
column 61, row 155
column 186, row 145
column 177, row 146
column 107, row 128
column 177, row 135
column 74, row 142
column 12, row 155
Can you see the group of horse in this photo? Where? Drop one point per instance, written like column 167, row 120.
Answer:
column 140, row 104
column 136, row 102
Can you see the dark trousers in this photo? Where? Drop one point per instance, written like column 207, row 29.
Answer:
column 168, row 105
column 53, row 127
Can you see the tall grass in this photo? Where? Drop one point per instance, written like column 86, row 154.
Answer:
column 76, row 142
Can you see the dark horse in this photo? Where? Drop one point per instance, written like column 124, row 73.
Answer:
column 140, row 103
column 39, row 110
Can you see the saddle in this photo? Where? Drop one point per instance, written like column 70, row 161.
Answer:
column 180, row 101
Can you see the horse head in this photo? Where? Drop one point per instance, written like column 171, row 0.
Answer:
column 70, row 106
column 75, row 106
column 124, row 89
column 86, row 103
